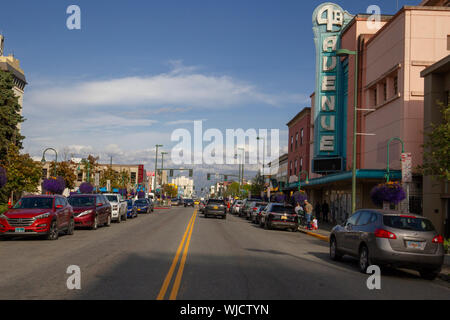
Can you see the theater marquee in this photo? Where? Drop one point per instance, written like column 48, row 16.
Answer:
column 329, row 114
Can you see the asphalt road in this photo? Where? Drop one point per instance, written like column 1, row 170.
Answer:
column 145, row 258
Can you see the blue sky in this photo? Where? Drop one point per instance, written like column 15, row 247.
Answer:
column 137, row 70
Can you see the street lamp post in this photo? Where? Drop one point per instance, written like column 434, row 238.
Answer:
column 162, row 164
column 56, row 158
column 388, row 175
column 264, row 153
column 340, row 53
column 243, row 163
column 156, row 166
column 300, row 179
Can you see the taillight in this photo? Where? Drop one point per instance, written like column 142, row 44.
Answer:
column 380, row 233
column 254, row 209
column 438, row 239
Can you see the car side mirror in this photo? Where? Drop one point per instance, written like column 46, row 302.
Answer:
column 59, row 206
column 99, row 204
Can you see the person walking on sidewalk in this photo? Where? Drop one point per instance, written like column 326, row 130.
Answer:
column 317, row 209
column 308, row 211
column 325, row 211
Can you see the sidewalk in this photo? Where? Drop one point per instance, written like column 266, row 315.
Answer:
column 323, row 233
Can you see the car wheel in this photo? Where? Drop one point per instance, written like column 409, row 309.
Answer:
column 125, row 217
column 95, row 224
column 53, row 234
column 71, row 228
column 364, row 260
column 334, row 253
column 224, row 217
column 108, row 221
column 119, row 219
column 429, row 274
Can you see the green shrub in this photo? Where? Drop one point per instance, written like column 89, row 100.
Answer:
column 3, row 208
column 447, row 245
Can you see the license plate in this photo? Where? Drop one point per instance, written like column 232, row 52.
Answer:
column 216, row 207
column 283, row 217
column 20, row 230
column 415, row 245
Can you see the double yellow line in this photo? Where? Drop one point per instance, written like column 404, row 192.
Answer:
column 184, row 242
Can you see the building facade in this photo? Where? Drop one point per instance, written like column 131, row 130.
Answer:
column 389, row 96
column 436, row 193
column 185, row 186
column 299, row 145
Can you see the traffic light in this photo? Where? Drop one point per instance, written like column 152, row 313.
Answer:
column 208, row 176
column 225, row 178
column 171, row 173
column 191, row 173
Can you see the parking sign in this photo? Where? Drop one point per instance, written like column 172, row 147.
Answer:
column 406, row 167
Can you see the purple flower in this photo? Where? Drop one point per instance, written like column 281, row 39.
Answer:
column 2, row 177
column 54, row 185
column 391, row 192
column 86, row 188
column 300, row 197
column 280, row 198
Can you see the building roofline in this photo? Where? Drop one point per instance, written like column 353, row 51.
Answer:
column 440, row 66
column 299, row 115
column 400, row 12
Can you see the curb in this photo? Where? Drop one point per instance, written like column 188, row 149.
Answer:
column 319, row 236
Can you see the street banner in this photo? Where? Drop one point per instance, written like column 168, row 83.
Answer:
column 406, row 167
column 108, row 185
column 97, row 179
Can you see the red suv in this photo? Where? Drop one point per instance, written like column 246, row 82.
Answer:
column 91, row 210
column 38, row 216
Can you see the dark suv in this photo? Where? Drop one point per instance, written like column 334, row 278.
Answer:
column 91, row 210
column 215, row 207
column 38, row 216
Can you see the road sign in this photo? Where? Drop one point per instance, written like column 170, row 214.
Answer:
column 406, row 167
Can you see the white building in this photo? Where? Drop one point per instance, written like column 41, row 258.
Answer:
column 185, row 186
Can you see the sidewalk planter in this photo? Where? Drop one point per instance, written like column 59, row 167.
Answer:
column 390, row 192
column 54, row 185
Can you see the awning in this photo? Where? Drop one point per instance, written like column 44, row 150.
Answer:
column 360, row 174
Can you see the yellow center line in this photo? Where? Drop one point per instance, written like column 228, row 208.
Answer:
column 169, row 275
column 176, row 285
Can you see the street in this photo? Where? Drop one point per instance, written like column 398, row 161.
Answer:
column 225, row 259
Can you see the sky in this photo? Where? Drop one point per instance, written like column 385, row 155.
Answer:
column 140, row 69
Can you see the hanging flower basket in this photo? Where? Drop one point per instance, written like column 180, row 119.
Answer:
column 86, row 188
column 54, row 185
column 2, row 177
column 300, row 196
column 391, row 192
column 280, row 198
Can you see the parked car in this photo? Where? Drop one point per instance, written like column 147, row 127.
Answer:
column 46, row 216
column 119, row 207
column 176, row 202
column 188, row 203
column 90, row 210
column 142, row 206
column 246, row 205
column 131, row 209
column 256, row 211
column 388, row 238
column 236, row 206
column 215, row 207
column 201, row 206
column 280, row 216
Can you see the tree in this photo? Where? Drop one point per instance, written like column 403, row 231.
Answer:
column 233, row 190
column 10, row 117
column 125, row 179
column 66, row 170
column 23, row 173
column 170, row 190
column 257, row 184
column 436, row 156
column 113, row 176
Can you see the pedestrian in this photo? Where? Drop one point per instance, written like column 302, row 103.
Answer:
column 308, row 211
column 317, row 210
column 325, row 211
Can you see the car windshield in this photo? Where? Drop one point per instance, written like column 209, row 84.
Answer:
column 112, row 198
column 283, row 209
column 34, row 203
column 82, row 201
column 408, row 223
column 141, row 202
